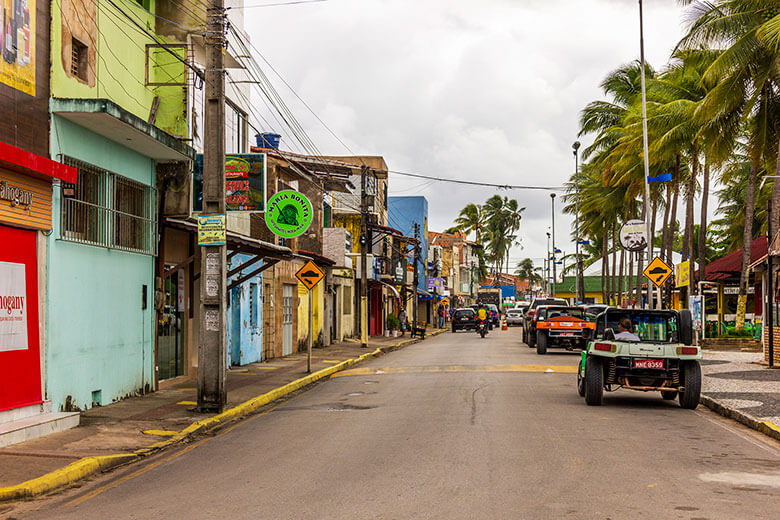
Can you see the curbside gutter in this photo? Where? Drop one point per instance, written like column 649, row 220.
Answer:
column 765, row 427
column 89, row 466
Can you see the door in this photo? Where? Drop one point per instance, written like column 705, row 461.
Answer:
column 170, row 329
column 20, row 364
column 288, row 296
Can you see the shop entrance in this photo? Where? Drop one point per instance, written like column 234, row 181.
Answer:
column 170, row 329
column 20, row 364
column 288, row 298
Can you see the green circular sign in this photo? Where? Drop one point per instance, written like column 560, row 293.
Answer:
column 288, row 214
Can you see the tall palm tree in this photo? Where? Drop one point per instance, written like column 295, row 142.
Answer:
column 526, row 270
column 471, row 219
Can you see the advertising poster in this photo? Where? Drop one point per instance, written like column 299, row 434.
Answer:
column 212, row 230
column 245, row 176
column 17, row 66
column 682, row 273
column 289, row 214
column 695, row 303
column 13, row 307
column 633, row 235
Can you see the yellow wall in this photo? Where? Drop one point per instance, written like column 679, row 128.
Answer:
column 571, row 296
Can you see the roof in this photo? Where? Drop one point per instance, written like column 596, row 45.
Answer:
column 730, row 265
column 236, row 240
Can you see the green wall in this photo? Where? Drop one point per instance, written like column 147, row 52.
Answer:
column 121, row 65
column 98, row 337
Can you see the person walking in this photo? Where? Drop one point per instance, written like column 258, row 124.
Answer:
column 402, row 317
column 441, row 316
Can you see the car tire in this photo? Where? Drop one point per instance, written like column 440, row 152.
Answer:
column 532, row 339
column 594, row 381
column 668, row 395
column 541, row 345
column 691, row 382
column 686, row 327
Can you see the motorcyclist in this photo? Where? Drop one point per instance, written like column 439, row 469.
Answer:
column 482, row 315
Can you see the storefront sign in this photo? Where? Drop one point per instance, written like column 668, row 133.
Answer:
column 682, row 273
column 245, row 176
column 211, row 230
column 289, row 214
column 435, row 283
column 633, row 235
column 17, row 68
column 15, row 195
column 13, row 307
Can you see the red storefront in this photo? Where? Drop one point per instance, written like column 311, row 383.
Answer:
column 25, row 218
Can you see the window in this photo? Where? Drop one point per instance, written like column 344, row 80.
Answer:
column 106, row 209
column 79, row 59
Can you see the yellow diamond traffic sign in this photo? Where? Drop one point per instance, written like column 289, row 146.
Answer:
column 310, row 275
column 658, row 271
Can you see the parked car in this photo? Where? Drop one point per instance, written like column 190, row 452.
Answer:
column 514, row 317
column 463, row 319
column 529, row 314
column 560, row 326
column 662, row 359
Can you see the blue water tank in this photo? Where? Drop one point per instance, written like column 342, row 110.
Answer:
column 268, row 140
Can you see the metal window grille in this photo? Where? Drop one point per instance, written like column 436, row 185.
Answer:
column 108, row 210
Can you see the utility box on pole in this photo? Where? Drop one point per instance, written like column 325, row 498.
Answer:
column 212, row 395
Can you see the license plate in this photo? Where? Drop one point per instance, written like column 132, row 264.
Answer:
column 567, row 323
column 567, row 334
column 649, row 363
column 464, row 319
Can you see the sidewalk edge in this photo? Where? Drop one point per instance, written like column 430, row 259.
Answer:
column 767, row 428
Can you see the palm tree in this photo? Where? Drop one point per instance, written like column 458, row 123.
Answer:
column 527, row 271
column 471, row 219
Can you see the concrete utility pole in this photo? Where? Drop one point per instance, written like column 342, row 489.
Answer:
column 416, row 274
column 580, row 282
column 647, row 157
column 364, row 245
column 554, row 268
column 212, row 395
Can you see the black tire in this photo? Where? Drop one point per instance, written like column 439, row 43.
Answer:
column 668, row 395
column 532, row 339
column 594, row 381
column 541, row 345
column 482, row 333
column 580, row 383
column 691, row 381
column 685, row 327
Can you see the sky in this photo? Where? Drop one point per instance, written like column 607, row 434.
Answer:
column 488, row 91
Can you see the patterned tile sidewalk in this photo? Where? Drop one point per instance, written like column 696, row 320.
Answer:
column 737, row 380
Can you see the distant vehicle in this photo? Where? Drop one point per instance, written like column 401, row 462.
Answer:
column 514, row 317
column 529, row 314
column 523, row 306
column 495, row 315
column 463, row 319
column 662, row 360
column 559, row 326
column 491, row 295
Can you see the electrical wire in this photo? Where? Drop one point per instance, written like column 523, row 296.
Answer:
column 276, row 4
column 139, row 6
column 475, row 183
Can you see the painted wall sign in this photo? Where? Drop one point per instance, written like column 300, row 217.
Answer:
column 289, row 214
column 245, row 188
column 211, row 230
column 24, row 200
column 13, row 307
column 633, row 235
column 17, row 68
column 15, row 195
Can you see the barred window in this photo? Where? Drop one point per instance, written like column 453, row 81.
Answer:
column 109, row 210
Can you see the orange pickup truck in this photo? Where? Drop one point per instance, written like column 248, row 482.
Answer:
column 560, row 326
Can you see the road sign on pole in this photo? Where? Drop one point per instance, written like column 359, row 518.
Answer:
column 658, row 271
column 310, row 275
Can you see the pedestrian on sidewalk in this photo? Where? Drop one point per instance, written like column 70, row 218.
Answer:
column 441, row 316
column 402, row 317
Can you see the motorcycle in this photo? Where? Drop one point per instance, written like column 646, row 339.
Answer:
column 481, row 328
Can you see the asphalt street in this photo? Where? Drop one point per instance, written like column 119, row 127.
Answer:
column 453, row 427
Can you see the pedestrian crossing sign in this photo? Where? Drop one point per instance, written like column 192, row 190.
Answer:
column 658, row 271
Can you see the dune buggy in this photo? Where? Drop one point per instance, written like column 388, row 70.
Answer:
column 663, row 358
column 561, row 326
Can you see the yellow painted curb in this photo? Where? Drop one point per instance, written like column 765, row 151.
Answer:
column 88, row 466
column 771, row 427
column 61, row 477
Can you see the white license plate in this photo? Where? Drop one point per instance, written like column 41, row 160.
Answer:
column 649, row 363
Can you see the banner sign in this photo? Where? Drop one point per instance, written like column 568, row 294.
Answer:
column 245, row 176
column 17, row 68
column 212, row 230
column 633, row 235
column 13, row 307
column 682, row 274
column 289, row 214
column 435, row 283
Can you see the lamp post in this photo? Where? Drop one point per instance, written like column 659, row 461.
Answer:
column 547, row 267
column 554, row 269
column 646, row 154
column 580, row 294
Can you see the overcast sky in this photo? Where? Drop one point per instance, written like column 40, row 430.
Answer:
column 487, row 90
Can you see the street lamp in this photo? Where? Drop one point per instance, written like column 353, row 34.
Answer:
column 555, row 274
column 576, row 147
column 547, row 267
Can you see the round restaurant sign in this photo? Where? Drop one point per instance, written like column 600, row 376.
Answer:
column 289, row 214
column 633, row 235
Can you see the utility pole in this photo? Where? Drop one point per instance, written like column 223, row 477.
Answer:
column 547, row 268
column 580, row 282
column 416, row 274
column 212, row 395
column 647, row 158
column 554, row 263
column 364, row 245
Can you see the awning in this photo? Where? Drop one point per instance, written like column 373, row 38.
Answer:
column 28, row 163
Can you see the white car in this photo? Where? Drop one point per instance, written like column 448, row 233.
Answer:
column 514, row 317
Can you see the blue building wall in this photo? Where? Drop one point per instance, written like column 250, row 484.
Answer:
column 245, row 315
column 98, row 337
column 403, row 214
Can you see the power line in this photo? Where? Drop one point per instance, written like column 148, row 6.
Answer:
column 475, row 183
column 276, row 4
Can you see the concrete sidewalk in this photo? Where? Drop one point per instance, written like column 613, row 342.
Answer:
column 738, row 386
column 125, row 430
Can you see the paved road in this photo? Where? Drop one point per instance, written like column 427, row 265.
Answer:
column 455, row 427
